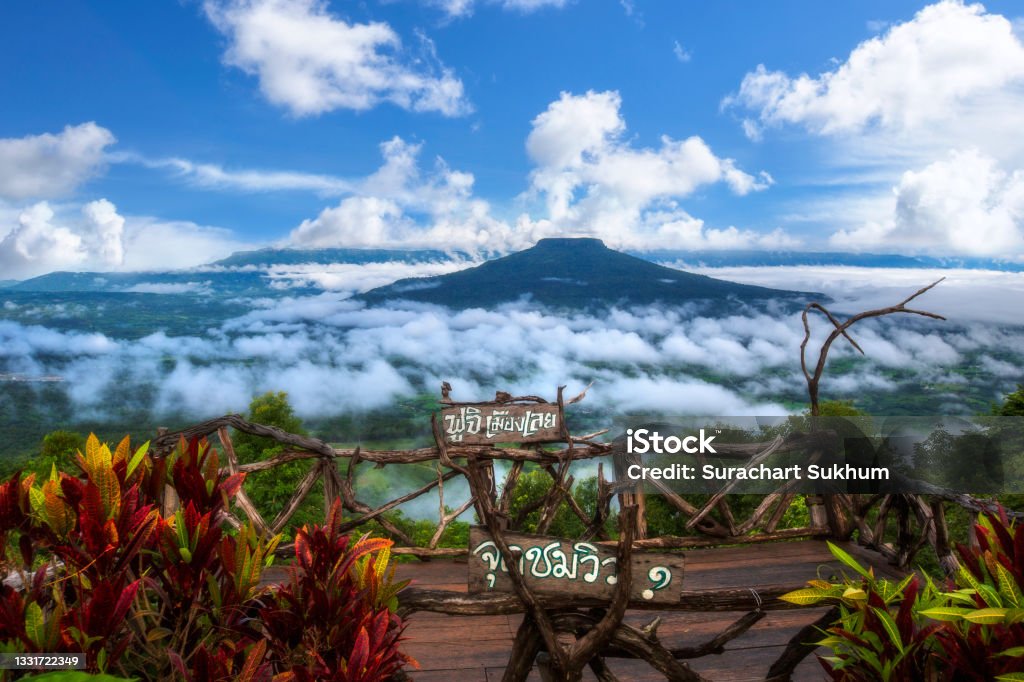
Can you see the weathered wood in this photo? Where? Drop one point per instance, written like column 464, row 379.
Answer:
column 943, row 550
column 241, row 497
column 525, row 648
column 765, row 597
column 571, row 568
column 374, row 513
column 677, row 542
column 801, row 644
column 772, row 448
column 305, row 485
column 524, row 595
column 507, row 423
column 840, row 329
column 648, row 648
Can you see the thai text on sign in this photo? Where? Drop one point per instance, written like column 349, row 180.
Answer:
column 560, row 567
column 488, row 424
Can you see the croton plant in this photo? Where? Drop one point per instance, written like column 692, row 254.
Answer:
column 93, row 567
column 970, row 628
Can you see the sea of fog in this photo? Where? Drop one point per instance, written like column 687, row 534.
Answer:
column 333, row 354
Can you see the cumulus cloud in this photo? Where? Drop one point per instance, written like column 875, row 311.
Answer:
column 310, row 61
column 402, row 205
column 919, row 70
column 595, row 183
column 47, row 238
column 963, row 204
column 47, row 166
column 40, row 243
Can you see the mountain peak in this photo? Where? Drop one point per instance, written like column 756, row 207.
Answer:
column 574, row 243
column 571, row 273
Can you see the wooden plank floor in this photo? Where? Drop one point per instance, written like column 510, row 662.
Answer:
column 472, row 649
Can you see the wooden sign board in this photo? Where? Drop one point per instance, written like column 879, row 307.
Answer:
column 570, row 568
column 489, row 424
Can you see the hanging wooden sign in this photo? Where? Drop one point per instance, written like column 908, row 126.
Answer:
column 570, row 568
column 490, row 424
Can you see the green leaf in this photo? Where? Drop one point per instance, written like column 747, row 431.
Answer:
column 35, row 627
column 890, row 627
column 1016, row 651
column 990, row 596
column 986, row 616
column 946, row 613
column 136, row 459
column 1008, row 586
column 969, row 578
column 1010, row 677
column 37, row 499
column 808, row 595
column 855, row 594
column 848, row 560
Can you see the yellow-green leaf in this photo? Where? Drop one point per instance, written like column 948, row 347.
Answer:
column 890, row 627
column 807, row 595
column 855, row 594
column 136, row 459
column 1007, row 585
column 986, row 616
column 848, row 560
column 945, row 613
column 35, row 626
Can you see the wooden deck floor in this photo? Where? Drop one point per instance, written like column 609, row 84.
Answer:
column 476, row 649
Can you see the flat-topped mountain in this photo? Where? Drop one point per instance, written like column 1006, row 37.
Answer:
column 571, row 273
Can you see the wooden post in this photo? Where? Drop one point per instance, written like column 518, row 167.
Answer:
column 169, row 501
column 331, row 489
column 816, row 509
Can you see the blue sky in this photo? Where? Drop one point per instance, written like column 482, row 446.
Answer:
column 138, row 135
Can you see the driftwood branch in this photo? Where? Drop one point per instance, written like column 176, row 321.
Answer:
column 841, row 329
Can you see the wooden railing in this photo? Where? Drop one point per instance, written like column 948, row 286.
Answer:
column 919, row 522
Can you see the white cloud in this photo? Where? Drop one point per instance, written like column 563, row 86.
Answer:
column 352, row 278
column 986, row 296
column 595, row 183
column 401, row 205
column 36, row 245
column 946, row 57
column 643, row 358
column 156, row 244
column 964, row 204
column 356, row 221
column 464, row 8
column 47, row 166
column 42, row 242
column 94, row 236
column 311, row 61
column 213, row 176
column 680, row 52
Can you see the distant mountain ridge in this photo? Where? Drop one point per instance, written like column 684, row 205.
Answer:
column 273, row 256
column 572, row 273
column 724, row 259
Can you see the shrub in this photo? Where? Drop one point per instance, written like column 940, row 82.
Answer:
column 972, row 628
column 140, row 594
